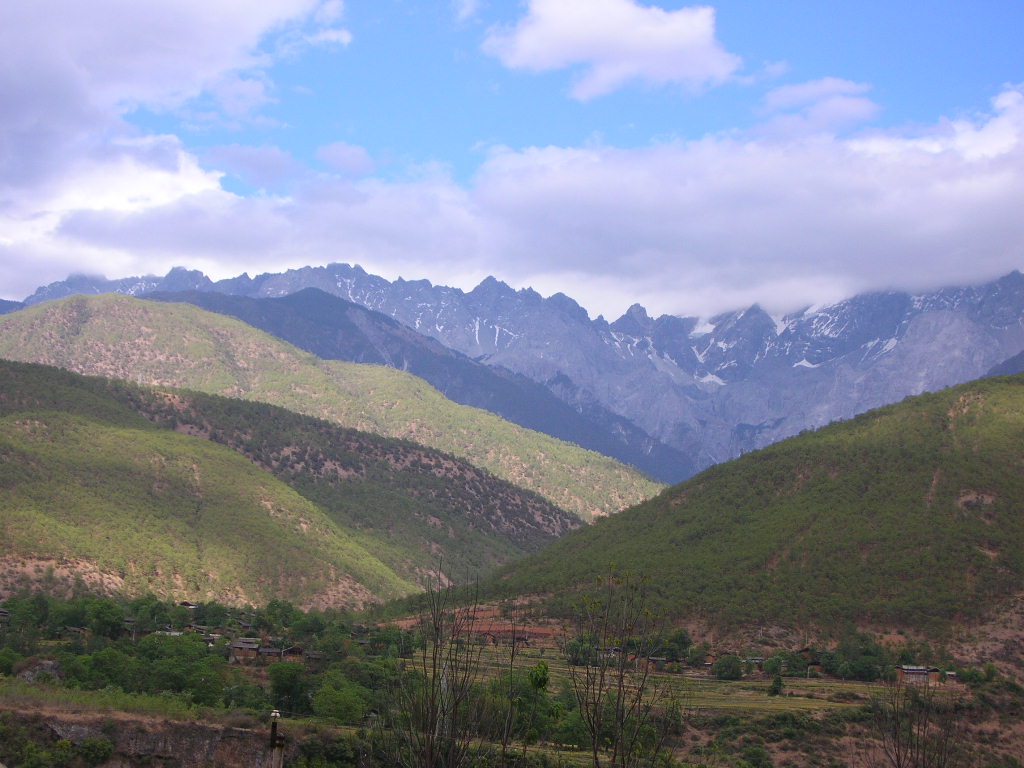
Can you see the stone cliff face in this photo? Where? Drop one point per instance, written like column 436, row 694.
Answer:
column 159, row 743
column 708, row 390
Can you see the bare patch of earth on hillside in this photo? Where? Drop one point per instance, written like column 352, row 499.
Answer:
column 999, row 640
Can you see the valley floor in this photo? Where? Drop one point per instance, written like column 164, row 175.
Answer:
column 816, row 722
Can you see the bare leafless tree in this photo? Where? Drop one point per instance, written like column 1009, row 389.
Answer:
column 918, row 724
column 431, row 719
column 510, row 704
column 607, row 647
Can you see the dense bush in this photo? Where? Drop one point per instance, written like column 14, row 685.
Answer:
column 728, row 668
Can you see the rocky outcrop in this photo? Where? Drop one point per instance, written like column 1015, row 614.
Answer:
column 159, row 743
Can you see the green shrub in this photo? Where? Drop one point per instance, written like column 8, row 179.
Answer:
column 95, row 749
column 728, row 668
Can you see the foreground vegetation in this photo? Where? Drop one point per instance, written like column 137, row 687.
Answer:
column 368, row 696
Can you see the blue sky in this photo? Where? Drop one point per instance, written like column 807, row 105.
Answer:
column 690, row 158
column 414, row 85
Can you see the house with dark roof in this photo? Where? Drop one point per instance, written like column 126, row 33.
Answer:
column 243, row 650
column 923, row 676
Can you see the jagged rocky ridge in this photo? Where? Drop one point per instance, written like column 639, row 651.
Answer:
column 710, row 390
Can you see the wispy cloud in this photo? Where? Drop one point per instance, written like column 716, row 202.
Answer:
column 345, row 158
column 264, row 167
column 465, row 9
column 827, row 104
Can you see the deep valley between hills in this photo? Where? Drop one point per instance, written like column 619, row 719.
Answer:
column 201, row 522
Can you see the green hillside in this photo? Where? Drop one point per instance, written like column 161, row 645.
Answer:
column 127, row 507
column 408, row 504
column 180, row 345
column 908, row 516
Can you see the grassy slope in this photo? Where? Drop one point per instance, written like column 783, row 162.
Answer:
column 180, row 345
column 907, row 516
column 150, row 509
column 406, row 503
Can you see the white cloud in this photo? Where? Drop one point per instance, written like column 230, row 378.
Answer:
column 825, row 105
column 697, row 226
column 393, row 229
column 686, row 227
column 238, row 98
column 346, row 158
column 803, row 94
column 985, row 137
column 260, row 167
column 122, row 52
column 69, row 73
column 617, row 42
column 465, row 9
column 329, row 12
column 129, row 175
column 330, row 36
column 793, row 212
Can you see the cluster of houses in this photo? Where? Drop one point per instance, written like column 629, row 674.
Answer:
column 255, row 649
column 250, row 650
column 241, row 650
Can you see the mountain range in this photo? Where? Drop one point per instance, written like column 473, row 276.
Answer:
column 671, row 395
column 335, row 329
column 901, row 517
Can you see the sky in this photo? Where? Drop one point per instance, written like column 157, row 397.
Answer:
column 690, row 158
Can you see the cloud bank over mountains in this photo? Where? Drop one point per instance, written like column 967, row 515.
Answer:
column 810, row 203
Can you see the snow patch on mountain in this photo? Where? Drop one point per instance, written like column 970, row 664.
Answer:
column 710, row 378
column 703, row 328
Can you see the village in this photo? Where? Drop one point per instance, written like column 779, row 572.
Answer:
column 247, row 647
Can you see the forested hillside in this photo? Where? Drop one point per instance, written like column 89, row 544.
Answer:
column 121, row 506
column 413, row 507
column 905, row 517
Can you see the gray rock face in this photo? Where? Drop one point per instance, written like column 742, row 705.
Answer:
column 739, row 382
column 714, row 390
